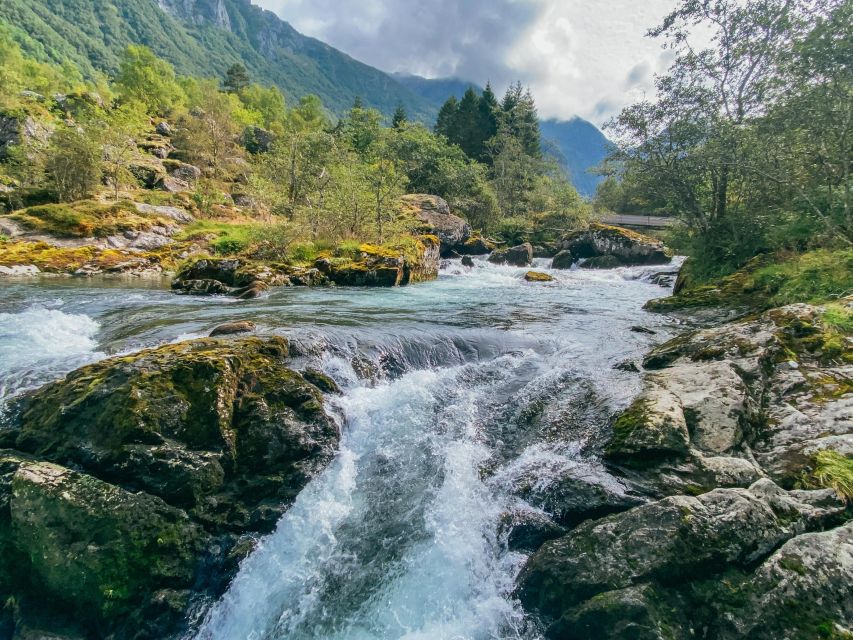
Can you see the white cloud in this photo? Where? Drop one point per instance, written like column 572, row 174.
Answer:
column 580, row 57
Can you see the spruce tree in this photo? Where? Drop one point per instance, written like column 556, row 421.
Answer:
column 400, row 117
column 236, row 78
column 446, row 124
column 467, row 124
column 487, row 121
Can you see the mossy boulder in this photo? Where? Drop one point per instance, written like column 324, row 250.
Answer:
column 520, row 256
column 537, row 276
column 476, row 245
column 415, row 261
column 434, row 218
column 99, row 550
column 604, row 246
column 177, row 453
column 651, row 429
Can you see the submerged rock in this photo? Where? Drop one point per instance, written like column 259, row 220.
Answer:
column 177, row 452
column 603, row 246
column 520, row 256
column 563, row 260
column 233, row 328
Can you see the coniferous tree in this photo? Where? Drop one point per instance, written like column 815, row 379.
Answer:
column 236, row 78
column 445, row 125
column 467, row 121
column 400, row 117
column 487, row 122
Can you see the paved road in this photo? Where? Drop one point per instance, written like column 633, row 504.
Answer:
column 639, row 221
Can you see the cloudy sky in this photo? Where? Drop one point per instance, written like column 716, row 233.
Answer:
column 580, row 57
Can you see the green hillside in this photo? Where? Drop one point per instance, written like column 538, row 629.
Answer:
column 203, row 38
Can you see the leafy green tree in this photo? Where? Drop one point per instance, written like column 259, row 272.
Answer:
column 73, row 163
column 118, row 131
column 737, row 141
column 145, row 78
column 309, row 115
column 209, row 133
column 266, row 104
column 361, row 129
column 236, row 78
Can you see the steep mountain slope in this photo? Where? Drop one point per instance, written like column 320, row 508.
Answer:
column 204, row 37
column 578, row 144
column 436, row 90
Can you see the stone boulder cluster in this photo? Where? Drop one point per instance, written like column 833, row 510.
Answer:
column 604, row 246
column 720, row 528
column 130, row 490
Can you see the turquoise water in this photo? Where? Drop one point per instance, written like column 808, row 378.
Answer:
column 481, row 384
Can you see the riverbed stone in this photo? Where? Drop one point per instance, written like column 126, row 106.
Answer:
column 233, row 328
column 604, row 246
column 519, row 256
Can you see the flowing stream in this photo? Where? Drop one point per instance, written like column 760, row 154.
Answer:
column 463, row 400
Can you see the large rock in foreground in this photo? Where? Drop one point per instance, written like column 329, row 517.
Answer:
column 603, row 246
column 177, row 453
column 659, row 570
column 435, row 219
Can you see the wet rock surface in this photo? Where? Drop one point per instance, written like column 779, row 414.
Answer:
column 520, row 256
column 128, row 489
column 731, row 538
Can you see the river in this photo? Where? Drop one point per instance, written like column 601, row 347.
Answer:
column 463, row 399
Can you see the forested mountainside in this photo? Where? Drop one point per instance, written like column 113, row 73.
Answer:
column 203, row 38
column 577, row 143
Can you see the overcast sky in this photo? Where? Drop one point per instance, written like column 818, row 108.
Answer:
column 580, row 57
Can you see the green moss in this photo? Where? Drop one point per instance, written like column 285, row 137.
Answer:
column 87, row 218
column 770, row 281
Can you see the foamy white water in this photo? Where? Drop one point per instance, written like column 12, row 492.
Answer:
column 37, row 341
column 461, row 396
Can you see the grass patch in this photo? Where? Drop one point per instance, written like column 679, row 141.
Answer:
column 815, row 276
column 831, row 470
column 87, row 219
column 769, row 281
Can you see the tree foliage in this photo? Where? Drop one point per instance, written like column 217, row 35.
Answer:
column 748, row 140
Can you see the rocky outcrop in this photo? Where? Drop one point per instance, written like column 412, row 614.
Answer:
column 658, row 570
column 128, row 489
column 376, row 266
column 435, row 219
column 605, row 247
column 726, row 405
column 731, row 500
column 520, row 256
